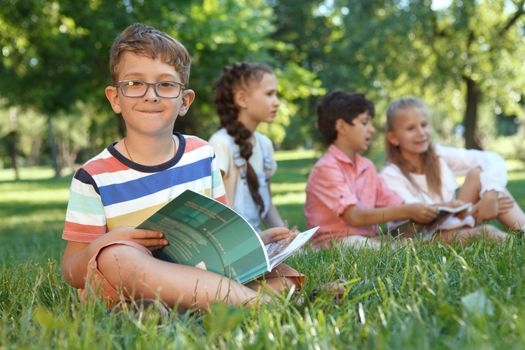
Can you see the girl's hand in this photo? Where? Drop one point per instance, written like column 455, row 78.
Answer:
column 421, row 213
column 487, row 208
column 275, row 234
column 148, row 238
column 505, row 204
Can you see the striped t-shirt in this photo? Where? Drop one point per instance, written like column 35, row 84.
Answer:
column 110, row 191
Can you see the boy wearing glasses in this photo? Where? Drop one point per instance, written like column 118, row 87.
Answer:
column 132, row 178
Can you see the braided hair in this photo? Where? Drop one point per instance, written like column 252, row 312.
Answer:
column 235, row 77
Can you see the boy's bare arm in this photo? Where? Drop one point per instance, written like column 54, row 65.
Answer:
column 77, row 254
column 356, row 216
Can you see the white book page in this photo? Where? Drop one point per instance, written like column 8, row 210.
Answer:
column 280, row 250
column 465, row 206
column 455, row 222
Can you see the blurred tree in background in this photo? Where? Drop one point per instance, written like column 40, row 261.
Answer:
column 456, row 58
column 463, row 58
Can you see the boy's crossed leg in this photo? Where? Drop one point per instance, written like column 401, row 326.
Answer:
column 126, row 270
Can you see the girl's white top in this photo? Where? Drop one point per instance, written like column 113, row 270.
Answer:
column 454, row 162
column 233, row 167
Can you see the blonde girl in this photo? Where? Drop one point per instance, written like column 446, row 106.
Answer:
column 422, row 172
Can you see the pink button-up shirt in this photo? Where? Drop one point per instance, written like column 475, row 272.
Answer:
column 336, row 183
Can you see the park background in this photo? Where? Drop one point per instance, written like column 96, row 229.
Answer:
column 464, row 58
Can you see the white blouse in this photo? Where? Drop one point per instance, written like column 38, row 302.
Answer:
column 454, row 162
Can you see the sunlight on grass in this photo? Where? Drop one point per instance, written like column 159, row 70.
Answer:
column 289, row 198
column 300, row 154
column 517, row 176
column 39, row 196
column 513, row 165
column 35, row 217
column 32, row 173
column 411, row 296
column 288, row 193
column 35, row 204
column 284, row 187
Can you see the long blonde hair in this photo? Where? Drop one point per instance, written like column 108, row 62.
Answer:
column 431, row 165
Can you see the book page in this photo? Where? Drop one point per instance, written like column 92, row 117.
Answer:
column 446, row 218
column 456, row 222
column 464, row 208
column 280, row 250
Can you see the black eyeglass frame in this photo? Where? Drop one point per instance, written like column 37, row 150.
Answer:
column 121, row 84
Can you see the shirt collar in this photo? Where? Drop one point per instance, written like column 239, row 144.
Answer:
column 340, row 156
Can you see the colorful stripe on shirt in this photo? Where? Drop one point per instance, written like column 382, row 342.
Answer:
column 109, row 191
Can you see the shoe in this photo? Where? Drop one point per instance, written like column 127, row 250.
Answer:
column 336, row 289
column 145, row 308
column 154, row 306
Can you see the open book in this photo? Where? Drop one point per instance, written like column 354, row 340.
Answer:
column 207, row 234
column 446, row 218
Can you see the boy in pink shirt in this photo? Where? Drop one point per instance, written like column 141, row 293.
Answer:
column 344, row 194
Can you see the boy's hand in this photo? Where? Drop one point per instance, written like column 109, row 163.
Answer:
column 421, row 213
column 148, row 238
column 275, row 234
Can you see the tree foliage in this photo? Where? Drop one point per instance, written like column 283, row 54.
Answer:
column 464, row 60
column 456, row 58
column 55, row 54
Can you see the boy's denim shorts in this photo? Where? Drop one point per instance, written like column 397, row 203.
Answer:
column 285, row 271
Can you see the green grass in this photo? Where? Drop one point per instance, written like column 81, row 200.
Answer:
column 418, row 297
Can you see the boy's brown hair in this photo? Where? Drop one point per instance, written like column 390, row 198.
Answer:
column 147, row 41
column 340, row 104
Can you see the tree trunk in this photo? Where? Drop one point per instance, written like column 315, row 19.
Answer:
column 13, row 152
column 34, row 156
column 470, row 119
column 53, row 144
column 12, row 142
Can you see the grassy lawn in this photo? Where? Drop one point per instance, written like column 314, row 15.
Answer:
column 419, row 296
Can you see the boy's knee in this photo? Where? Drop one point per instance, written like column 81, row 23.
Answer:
column 112, row 252
column 108, row 268
column 117, row 256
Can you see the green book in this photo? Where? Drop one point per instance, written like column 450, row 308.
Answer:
column 207, row 234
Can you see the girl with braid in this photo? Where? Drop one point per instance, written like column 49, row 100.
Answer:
column 245, row 96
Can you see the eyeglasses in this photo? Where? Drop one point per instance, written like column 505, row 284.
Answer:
column 139, row 88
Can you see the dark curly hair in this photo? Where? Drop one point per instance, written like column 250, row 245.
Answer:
column 234, row 77
column 340, row 104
